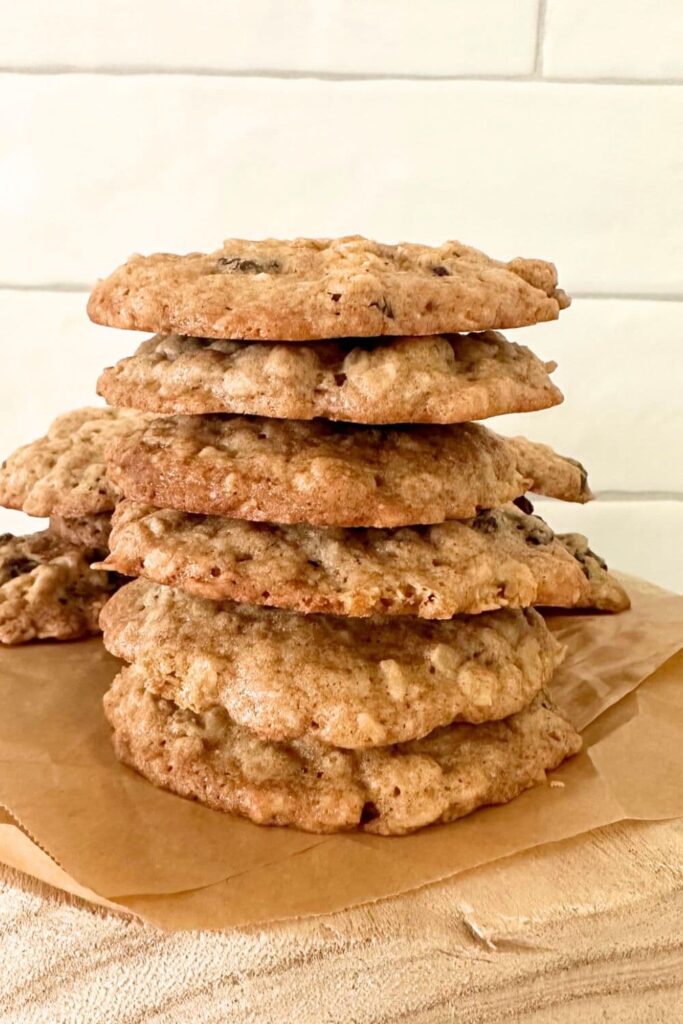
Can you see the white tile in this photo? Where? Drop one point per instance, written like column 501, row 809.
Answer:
column 620, row 366
column 19, row 524
column 95, row 167
column 51, row 358
column 614, row 39
column 434, row 37
column 638, row 537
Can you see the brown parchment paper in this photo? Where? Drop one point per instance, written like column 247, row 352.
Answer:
column 79, row 820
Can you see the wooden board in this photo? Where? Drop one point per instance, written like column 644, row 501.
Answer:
column 586, row 930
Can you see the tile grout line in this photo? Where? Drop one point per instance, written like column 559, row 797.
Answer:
column 266, row 74
column 78, row 287
column 541, row 14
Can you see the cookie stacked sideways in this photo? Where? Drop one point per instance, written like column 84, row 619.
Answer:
column 48, row 589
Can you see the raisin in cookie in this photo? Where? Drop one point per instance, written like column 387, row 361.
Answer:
column 451, row 379
column 499, row 558
column 305, row 784
column 311, row 288
column 48, row 590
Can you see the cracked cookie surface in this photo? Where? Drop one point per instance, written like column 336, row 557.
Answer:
column 305, row 784
column 398, row 380
column 306, row 289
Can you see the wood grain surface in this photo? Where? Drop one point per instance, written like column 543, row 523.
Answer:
column 586, row 930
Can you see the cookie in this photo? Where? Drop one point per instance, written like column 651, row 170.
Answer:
column 318, row 472
column 389, row 791
column 344, row 681
column 312, row 288
column 86, row 532
column 500, row 558
column 48, row 590
column 398, row 380
column 556, row 476
column 64, row 473
column 605, row 593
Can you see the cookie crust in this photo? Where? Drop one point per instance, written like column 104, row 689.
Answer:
column 307, row 289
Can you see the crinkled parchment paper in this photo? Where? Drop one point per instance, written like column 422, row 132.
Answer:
column 79, row 820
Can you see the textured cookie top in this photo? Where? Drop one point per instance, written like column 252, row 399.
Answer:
column 64, row 473
column 319, row 472
column 398, row 380
column 48, row 590
column 326, row 288
column 347, row 682
column 389, row 791
column 605, row 593
column 556, row 476
column 500, row 558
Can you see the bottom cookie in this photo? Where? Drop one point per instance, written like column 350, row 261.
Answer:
column 48, row 590
column 307, row 785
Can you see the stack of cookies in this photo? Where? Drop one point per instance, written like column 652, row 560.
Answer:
column 333, row 624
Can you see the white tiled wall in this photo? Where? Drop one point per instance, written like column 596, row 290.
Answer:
column 528, row 128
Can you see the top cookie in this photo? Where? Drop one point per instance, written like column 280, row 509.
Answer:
column 64, row 473
column 312, row 288
column 434, row 379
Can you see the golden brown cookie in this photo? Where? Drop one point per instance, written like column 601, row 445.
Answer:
column 390, row 790
column 318, row 472
column 311, row 288
column 48, row 590
column 64, row 473
column 500, row 558
column 556, row 476
column 605, row 593
column 344, row 681
column 397, row 380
